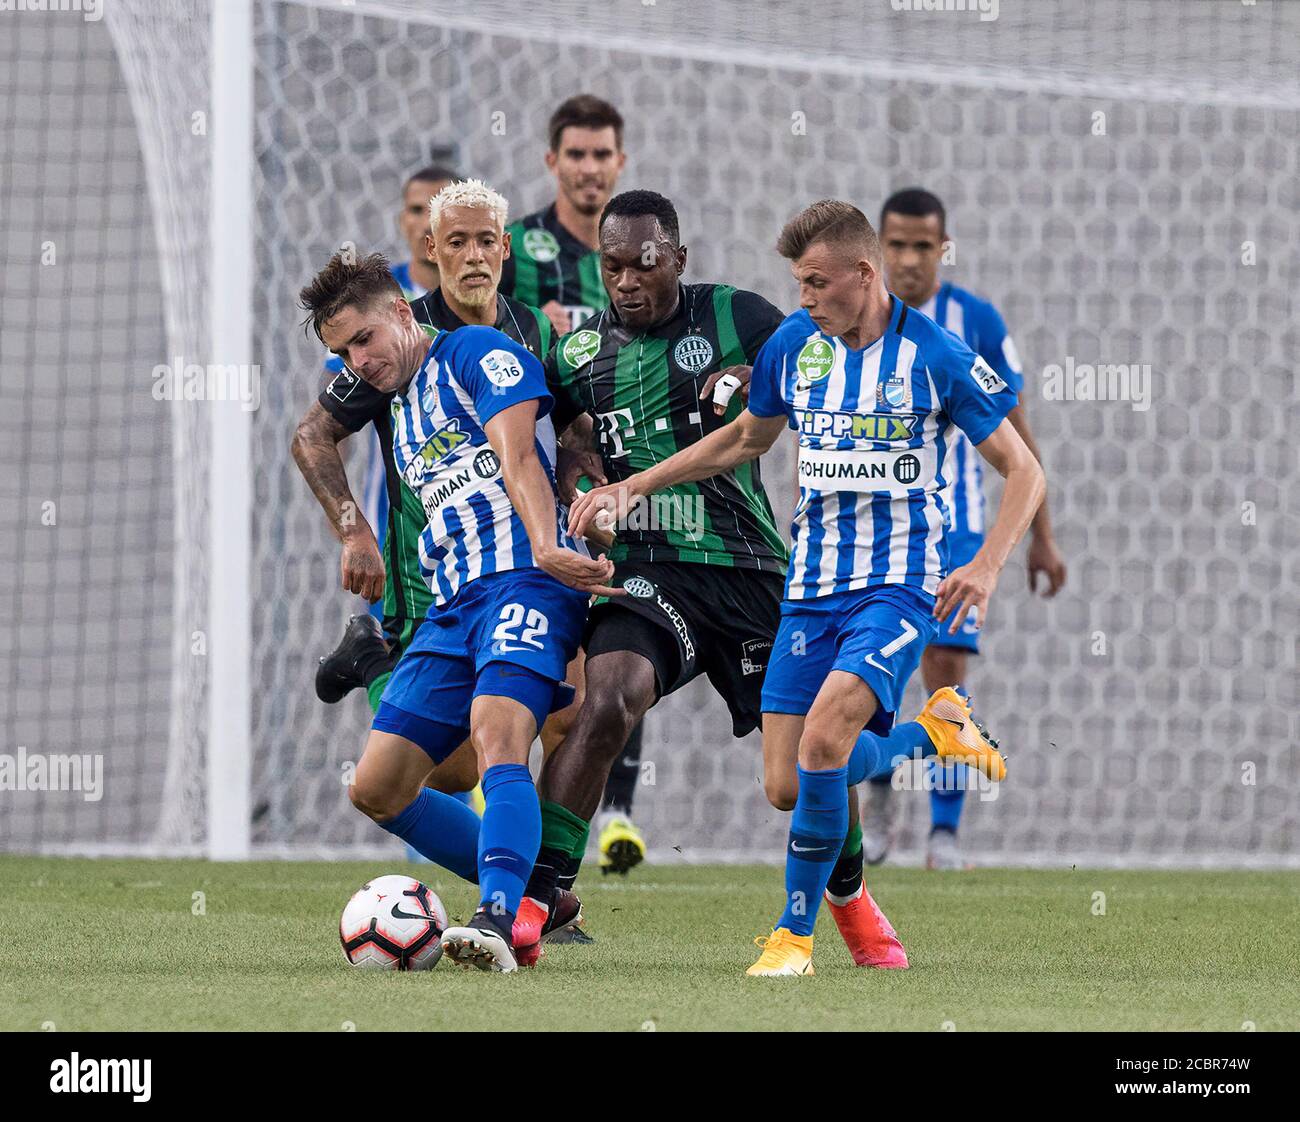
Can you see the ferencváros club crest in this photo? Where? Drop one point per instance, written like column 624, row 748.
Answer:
column 693, row 353
column 541, row 245
column 639, row 587
column 580, row 348
column 815, row 360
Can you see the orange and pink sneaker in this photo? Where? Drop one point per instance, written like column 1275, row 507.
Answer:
column 534, row 925
column 527, row 931
column 871, row 938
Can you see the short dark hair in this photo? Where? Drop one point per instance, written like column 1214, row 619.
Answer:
column 433, row 173
column 831, row 221
column 584, row 111
column 914, row 202
column 635, row 204
column 344, row 282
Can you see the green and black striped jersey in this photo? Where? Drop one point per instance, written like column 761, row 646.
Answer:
column 643, row 393
column 548, row 263
column 355, row 403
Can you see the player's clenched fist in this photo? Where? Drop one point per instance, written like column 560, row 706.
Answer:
column 969, row 587
column 600, row 508
column 362, row 566
column 724, row 383
column 587, row 574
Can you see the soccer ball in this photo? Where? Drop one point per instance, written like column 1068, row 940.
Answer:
column 393, row 923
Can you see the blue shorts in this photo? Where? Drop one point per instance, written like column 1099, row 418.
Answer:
column 962, row 548
column 508, row 634
column 877, row 633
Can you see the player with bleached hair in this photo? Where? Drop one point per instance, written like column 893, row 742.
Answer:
column 873, row 389
column 465, row 238
column 473, row 441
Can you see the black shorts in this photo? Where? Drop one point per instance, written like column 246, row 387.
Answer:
column 689, row 619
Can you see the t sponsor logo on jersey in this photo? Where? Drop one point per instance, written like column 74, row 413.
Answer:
column 578, row 313
column 988, row 378
column 639, row 587
column 438, row 447
column 693, row 353
column 502, row 368
column 580, row 348
column 815, row 360
column 834, row 425
column 541, row 245
column 342, row 385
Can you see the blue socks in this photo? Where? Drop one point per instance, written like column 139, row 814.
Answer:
column 875, row 755
column 443, row 829
column 508, row 840
column 947, row 791
column 947, row 796
column 415, row 856
column 817, row 828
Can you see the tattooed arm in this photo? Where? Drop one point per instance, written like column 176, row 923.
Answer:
column 316, row 452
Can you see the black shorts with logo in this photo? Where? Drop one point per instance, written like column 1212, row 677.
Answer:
column 689, row 619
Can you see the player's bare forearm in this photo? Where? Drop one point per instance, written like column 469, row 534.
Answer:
column 316, row 452
column 1042, row 523
column 513, row 435
column 1021, row 497
column 744, row 439
column 966, row 591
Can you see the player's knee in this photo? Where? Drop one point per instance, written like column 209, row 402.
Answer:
column 377, row 801
column 818, row 750
column 782, row 791
column 608, row 717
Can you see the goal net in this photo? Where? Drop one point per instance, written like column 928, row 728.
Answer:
column 1121, row 180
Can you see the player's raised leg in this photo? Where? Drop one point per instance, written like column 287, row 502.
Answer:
column 402, row 749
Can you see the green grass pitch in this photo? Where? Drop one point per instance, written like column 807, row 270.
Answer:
column 116, row 944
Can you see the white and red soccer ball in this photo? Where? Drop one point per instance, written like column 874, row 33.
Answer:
column 393, row 923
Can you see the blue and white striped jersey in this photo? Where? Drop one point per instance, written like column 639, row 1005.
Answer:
column 443, row 454
column 874, row 463
column 374, row 500
column 977, row 323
